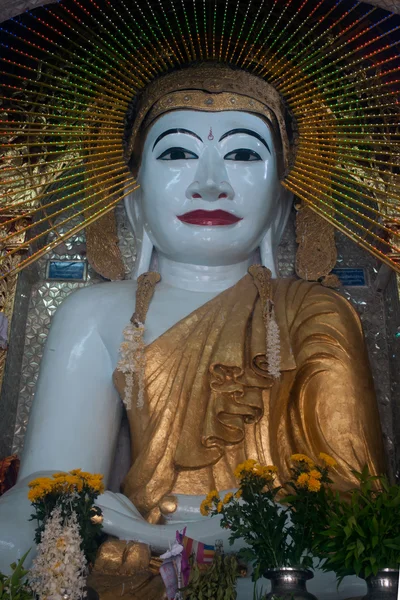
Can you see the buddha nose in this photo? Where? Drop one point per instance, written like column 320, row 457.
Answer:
column 211, row 181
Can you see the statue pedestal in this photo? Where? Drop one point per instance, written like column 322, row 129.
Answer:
column 127, row 570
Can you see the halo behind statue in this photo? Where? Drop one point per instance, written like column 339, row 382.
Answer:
column 70, row 71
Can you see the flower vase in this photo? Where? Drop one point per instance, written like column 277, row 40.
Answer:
column 289, row 583
column 383, row 585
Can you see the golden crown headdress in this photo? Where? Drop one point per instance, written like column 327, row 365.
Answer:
column 71, row 70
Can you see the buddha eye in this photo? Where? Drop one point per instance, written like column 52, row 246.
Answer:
column 243, row 155
column 177, row 154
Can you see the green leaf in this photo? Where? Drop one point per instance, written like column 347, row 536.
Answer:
column 360, row 547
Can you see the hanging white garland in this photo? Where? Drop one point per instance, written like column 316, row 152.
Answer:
column 59, row 569
column 132, row 363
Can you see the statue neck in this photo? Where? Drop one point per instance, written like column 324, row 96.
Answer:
column 201, row 278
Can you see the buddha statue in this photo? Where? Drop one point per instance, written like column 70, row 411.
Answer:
column 210, row 147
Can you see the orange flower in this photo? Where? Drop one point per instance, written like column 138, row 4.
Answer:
column 314, row 485
column 205, row 508
column 228, row 497
column 314, row 473
column 245, row 467
column 303, row 479
column 302, row 458
column 328, row 460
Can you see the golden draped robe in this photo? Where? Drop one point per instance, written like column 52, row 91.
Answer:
column 210, row 403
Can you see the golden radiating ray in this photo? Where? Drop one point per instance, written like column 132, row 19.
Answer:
column 313, row 115
column 148, row 68
column 304, row 101
column 76, row 113
column 71, row 160
column 103, row 87
column 333, row 90
column 347, row 178
column 288, row 39
column 75, row 117
column 68, row 177
column 180, row 59
column 342, row 74
column 283, row 30
column 342, row 128
column 305, row 193
column 308, row 174
column 343, row 138
column 374, row 172
column 110, row 56
column 53, row 152
column 117, row 173
column 41, row 131
column 84, row 105
column 248, row 58
column 56, row 88
column 88, row 206
column 61, row 237
column 159, row 28
column 271, row 31
column 150, row 28
column 311, row 167
column 340, row 151
column 331, row 41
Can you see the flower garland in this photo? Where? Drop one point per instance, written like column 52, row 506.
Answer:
column 70, row 493
column 133, row 361
column 59, row 570
column 273, row 343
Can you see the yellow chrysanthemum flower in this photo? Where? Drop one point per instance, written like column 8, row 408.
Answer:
column 228, row 497
column 315, row 474
column 271, row 468
column 302, row 480
column 36, row 494
column 245, row 467
column 205, row 508
column 95, row 482
column 77, row 472
column 314, row 485
column 219, row 507
column 328, row 460
column 212, row 496
column 59, row 475
column 42, row 481
column 39, row 488
column 238, row 494
column 302, row 458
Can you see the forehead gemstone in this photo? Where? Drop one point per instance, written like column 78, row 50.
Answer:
column 209, row 101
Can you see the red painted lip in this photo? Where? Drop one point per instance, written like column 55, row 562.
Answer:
column 208, row 218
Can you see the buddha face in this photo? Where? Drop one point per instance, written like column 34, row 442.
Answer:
column 209, row 186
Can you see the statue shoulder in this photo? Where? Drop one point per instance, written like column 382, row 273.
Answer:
column 97, row 302
column 305, row 298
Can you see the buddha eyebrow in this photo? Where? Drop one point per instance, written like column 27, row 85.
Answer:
column 170, row 131
column 249, row 132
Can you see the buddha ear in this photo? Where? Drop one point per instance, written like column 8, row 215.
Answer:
column 270, row 242
column 144, row 246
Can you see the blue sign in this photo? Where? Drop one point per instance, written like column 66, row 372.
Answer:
column 351, row 277
column 66, row 270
